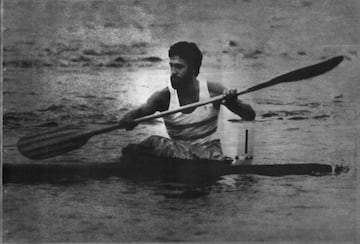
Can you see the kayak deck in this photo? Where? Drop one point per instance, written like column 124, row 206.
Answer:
column 135, row 166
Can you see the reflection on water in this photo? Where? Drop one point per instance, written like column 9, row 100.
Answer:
column 224, row 184
column 243, row 207
column 113, row 201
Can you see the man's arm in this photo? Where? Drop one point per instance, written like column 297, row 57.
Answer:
column 158, row 101
column 234, row 104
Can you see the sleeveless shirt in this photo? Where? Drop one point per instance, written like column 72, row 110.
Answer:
column 198, row 126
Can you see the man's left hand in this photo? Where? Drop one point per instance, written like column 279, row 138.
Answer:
column 230, row 96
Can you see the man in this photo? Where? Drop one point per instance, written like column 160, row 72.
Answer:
column 192, row 131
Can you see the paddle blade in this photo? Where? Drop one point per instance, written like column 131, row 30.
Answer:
column 300, row 74
column 52, row 143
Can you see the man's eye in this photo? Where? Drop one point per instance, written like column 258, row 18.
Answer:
column 176, row 66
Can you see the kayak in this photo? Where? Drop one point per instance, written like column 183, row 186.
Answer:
column 176, row 170
column 136, row 166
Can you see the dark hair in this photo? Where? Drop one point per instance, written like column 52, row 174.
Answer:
column 188, row 51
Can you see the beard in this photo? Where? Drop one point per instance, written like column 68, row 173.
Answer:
column 175, row 81
column 178, row 82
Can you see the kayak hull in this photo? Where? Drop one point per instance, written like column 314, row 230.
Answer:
column 140, row 167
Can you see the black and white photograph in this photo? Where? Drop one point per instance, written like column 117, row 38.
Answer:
column 180, row 121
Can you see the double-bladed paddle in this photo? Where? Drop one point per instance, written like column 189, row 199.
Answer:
column 65, row 139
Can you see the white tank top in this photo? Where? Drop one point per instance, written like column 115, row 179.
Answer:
column 197, row 127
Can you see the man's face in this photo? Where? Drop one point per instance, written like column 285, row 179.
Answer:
column 181, row 73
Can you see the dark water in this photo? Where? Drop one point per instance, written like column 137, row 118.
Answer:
column 88, row 69
column 236, row 208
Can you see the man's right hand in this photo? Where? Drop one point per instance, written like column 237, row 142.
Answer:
column 128, row 122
